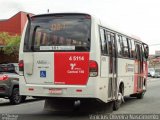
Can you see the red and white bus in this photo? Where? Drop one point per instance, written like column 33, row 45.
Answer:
column 73, row 55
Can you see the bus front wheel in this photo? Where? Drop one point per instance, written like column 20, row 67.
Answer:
column 140, row 95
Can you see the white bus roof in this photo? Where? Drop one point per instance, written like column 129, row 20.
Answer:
column 103, row 24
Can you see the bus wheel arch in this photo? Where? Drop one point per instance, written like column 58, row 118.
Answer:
column 121, row 88
column 140, row 95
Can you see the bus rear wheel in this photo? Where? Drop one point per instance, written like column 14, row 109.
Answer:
column 117, row 103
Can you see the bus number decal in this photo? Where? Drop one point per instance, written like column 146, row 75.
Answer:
column 76, row 58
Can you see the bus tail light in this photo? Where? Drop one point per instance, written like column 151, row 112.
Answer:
column 21, row 66
column 3, row 78
column 93, row 68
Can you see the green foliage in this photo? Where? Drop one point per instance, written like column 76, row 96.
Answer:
column 4, row 36
column 11, row 43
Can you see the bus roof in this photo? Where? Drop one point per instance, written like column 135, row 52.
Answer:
column 49, row 14
column 120, row 32
column 98, row 20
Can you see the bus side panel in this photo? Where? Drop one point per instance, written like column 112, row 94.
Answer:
column 126, row 74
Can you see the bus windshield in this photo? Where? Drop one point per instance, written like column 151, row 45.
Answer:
column 58, row 33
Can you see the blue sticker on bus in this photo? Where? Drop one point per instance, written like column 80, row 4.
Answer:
column 42, row 73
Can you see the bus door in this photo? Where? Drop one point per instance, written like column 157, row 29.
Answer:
column 112, row 65
column 108, row 61
column 139, row 59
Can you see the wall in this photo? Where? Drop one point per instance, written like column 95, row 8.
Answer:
column 14, row 26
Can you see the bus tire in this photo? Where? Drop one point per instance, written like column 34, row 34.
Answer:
column 140, row 95
column 117, row 103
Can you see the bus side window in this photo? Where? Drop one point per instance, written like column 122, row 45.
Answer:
column 137, row 51
column 125, row 47
column 119, row 46
column 112, row 35
column 108, row 37
column 130, row 48
column 141, row 51
column 133, row 54
column 103, row 42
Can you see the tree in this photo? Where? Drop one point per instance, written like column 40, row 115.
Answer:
column 11, row 43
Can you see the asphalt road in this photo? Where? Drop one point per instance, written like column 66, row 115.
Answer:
column 33, row 108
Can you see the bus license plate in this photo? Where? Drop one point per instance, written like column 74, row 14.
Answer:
column 55, row 91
